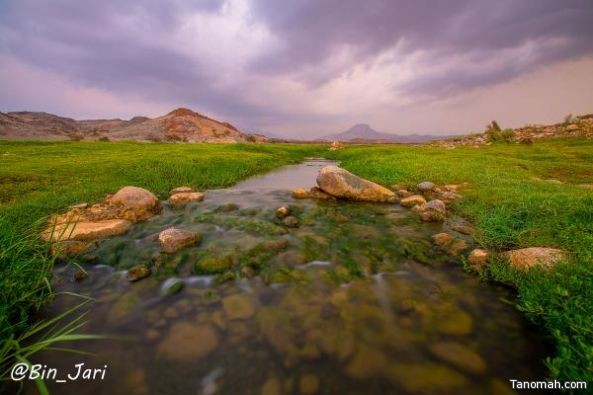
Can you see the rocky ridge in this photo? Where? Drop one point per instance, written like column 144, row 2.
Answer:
column 579, row 126
column 180, row 125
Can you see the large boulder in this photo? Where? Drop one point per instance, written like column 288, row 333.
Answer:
column 526, row 258
column 343, row 184
column 173, row 239
column 139, row 200
column 86, row 231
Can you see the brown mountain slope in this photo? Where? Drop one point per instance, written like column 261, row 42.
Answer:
column 178, row 125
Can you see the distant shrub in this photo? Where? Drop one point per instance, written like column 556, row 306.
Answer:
column 104, row 138
column 76, row 137
column 526, row 141
column 154, row 138
column 493, row 132
column 175, row 137
column 493, row 126
column 507, row 135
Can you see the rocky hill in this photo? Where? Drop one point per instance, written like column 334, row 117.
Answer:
column 362, row 134
column 579, row 126
column 181, row 125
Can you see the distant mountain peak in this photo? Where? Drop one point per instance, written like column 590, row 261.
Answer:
column 363, row 132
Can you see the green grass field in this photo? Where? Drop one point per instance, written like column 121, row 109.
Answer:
column 519, row 196
column 512, row 199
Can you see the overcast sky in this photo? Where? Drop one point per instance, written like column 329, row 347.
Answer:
column 302, row 68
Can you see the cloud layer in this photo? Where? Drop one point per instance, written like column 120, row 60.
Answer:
column 298, row 67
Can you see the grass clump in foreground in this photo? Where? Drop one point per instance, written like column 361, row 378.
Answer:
column 519, row 196
column 41, row 178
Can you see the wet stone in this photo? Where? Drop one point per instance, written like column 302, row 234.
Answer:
column 308, row 384
column 463, row 229
column 238, row 307
column 456, row 323
column 282, row 212
column 412, row 201
column 459, row 356
column 137, row 272
column 180, row 190
column 291, row 221
column 151, row 335
column 427, row 378
column 478, row 258
column 174, row 239
column 80, row 274
column 186, row 342
column 172, row 286
column 442, row 239
column 366, row 363
column 272, row 386
column 186, row 197
column 426, row 186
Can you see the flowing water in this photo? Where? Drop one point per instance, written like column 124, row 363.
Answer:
column 354, row 300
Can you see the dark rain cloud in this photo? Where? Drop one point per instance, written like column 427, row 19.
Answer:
column 94, row 43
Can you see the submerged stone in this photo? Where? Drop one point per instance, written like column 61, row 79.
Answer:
column 137, row 272
column 238, row 307
column 173, row 239
column 186, row 342
column 459, row 356
column 71, row 248
column 172, row 286
column 214, row 264
column 427, row 378
column 272, row 386
column 291, row 221
column 282, row 212
column 366, row 363
column 308, row 384
column 456, row 322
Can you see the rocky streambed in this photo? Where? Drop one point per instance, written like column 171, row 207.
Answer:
column 272, row 294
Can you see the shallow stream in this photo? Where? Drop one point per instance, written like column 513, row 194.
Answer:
column 355, row 300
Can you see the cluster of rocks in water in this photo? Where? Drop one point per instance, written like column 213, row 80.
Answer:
column 77, row 231
column 430, row 202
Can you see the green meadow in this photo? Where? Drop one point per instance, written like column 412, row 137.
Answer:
column 517, row 196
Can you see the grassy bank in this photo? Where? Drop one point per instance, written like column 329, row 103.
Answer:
column 519, row 196
column 41, row 178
